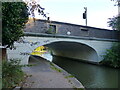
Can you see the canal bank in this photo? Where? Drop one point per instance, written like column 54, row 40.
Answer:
column 45, row 74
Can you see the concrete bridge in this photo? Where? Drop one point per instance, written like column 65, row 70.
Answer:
column 84, row 48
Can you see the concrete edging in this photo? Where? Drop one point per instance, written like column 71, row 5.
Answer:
column 67, row 36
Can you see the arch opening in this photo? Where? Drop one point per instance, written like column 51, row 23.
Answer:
column 73, row 50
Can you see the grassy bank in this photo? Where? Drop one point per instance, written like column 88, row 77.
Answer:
column 12, row 74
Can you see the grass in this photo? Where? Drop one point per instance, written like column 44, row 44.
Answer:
column 70, row 76
column 55, row 68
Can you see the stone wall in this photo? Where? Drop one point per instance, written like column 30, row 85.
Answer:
column 41, row 26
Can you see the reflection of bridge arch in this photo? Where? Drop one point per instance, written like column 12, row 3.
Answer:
column 75, row 50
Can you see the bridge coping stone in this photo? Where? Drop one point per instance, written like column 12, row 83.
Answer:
column 68, row 36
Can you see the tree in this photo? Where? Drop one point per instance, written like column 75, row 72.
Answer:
column 112, row 56
column 34, row 6
column 14, row 17
column 115, row 21
column 117, row 2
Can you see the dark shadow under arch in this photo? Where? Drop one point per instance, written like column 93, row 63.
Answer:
column 33, row 59
column 73, row 50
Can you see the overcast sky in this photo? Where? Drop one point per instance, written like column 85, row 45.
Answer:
column 71, row 11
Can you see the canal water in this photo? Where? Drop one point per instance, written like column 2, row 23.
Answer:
column 91, row 76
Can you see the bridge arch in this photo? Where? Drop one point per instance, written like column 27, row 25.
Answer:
column 72, row 49
column 94, row 48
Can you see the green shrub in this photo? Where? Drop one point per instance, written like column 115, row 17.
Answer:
column 12, row 73
column 51, row 30
column 112, row 56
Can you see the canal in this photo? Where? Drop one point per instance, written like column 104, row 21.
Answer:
column 91, row 76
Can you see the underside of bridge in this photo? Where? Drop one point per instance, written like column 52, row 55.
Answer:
column 73, row 50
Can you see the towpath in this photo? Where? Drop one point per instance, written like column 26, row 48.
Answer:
column 45, row 74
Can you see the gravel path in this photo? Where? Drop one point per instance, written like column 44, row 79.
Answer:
column 45, row 74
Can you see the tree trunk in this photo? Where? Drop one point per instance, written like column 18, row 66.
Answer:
column 4, row 54
column 0, row 54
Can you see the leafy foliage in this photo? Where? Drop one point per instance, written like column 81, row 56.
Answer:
column 33, row 6
column 115, row 23
column 14, row 17
column 12, row 73
column 50, row 31
column 112, row 57
column 117, row 2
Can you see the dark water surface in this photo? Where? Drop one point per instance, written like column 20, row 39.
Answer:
column 91, row 76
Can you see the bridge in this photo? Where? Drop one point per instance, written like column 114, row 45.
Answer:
column 88, row 48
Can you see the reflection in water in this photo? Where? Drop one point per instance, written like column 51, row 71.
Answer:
column 91, row 76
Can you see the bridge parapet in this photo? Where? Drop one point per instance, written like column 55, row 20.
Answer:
column 61, row 28
column 67, row 36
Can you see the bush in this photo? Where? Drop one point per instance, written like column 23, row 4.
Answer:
column 12, row 73
column 112, row 56
column 51, row 30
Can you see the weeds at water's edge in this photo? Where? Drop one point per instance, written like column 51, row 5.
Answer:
column 55, row 68
column 70, row 76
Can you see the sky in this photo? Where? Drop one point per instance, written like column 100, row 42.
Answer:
column 71, row 11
